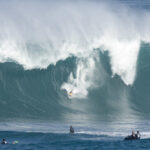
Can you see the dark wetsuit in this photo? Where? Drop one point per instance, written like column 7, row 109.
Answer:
column 71, row 130
column 132, row 137
column 4, row 142
column 138, row 136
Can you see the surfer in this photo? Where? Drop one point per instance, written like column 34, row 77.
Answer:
column 138, row 135
column 71, row 130
column 70, row 93
column 4, row 142
column 133, row 136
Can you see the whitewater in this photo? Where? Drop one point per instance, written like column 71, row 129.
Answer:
column 97, row 50
column 61, row 29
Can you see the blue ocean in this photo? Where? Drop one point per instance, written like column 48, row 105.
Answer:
column 80, row 63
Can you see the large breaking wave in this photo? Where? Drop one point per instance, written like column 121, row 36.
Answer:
column 98, row 50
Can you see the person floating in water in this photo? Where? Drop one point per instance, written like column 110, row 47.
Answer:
column 4, row 142
column 71, row 130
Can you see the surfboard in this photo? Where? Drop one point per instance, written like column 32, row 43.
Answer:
column 15, row 142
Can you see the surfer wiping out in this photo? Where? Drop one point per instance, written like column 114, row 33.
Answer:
column 70, row 93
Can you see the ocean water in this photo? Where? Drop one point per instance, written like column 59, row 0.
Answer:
column 65, row 141
column 89, row 136
column 56, row 136
column 99, row 51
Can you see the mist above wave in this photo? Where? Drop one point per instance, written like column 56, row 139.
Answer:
column 38, row 33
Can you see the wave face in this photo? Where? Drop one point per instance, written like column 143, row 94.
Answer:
column 98, row 51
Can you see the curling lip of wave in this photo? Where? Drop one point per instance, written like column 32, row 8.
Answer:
column 38, row 34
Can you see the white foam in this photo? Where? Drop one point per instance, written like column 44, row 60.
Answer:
column 36, row 34
column 123, row 55
column 85, row 78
